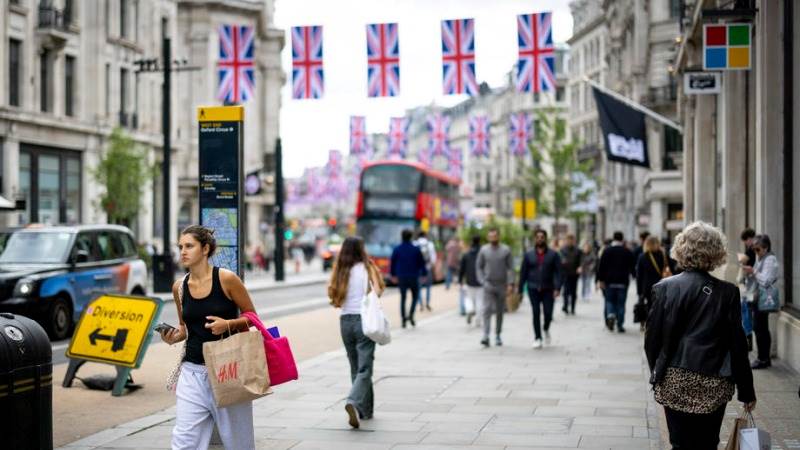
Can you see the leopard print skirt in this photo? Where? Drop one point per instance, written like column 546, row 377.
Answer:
column 692, row 392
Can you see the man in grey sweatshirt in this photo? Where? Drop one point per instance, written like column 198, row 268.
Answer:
column 497, row 278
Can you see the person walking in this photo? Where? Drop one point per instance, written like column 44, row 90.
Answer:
column 541, row 273
column 639, row 248
column 694, row 342
column 208, row 300
column 429, row 255
column 570, row 263
column 613, row 277
column 353, row 276
column 406, row 266
column 468, row 273
column 495, row 274
column 651, row 267
column 747, row 259
column 453, row 259
column 762, row 276
column 586, row 270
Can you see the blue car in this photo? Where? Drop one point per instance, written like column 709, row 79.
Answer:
column 50, row 273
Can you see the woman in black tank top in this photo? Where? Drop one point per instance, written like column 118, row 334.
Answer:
column 210, row 306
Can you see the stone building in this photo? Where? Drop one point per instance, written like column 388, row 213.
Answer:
column 626, row 45
column 742, row 167
column 72, row 78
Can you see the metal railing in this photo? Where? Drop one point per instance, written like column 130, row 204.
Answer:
column 50, row 17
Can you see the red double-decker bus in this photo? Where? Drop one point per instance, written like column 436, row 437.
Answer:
column 398, row 195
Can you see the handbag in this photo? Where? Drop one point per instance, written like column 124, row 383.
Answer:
column 513, row 301
column 733, row 440
column 237, row 368
column 747, row 318
column 754, row 438
column 768, row 298
column 665, row 272
column 175, row 373
column 374, row 323
column 640, row 312
column 280, row 360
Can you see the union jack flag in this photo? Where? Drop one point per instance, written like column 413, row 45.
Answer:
column 333, row 169
column 313, row 183
column 455, row 166
column 398, row 137
column 520, row 133
column 307, row 74
column 479, row 135
column 438, row 140
column 383, row 60
column 424, row 156
column 358, row 135
column 235, row 64
column 458, row 57
column 537, row 62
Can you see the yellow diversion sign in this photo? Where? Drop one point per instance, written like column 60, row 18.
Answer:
column 115, row 329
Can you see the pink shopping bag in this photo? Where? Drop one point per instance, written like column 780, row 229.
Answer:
column 280, row 361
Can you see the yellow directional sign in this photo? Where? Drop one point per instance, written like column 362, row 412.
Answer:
column 530, row 209
column 114, row 329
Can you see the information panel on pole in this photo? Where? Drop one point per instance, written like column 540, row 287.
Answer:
column 221, row 131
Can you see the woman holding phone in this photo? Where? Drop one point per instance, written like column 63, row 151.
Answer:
column 209, row 301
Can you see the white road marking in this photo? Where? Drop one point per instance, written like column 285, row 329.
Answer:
column 292, row 306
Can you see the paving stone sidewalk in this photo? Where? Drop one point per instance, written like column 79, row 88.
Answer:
column 436, row 388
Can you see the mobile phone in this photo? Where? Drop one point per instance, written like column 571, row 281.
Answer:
column 163, row 326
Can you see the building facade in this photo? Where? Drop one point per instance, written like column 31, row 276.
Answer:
column 626, row 46
column 742, row 167
column 70, row 78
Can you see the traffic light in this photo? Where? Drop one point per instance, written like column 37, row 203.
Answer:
column 288, row 235
column 332, row 222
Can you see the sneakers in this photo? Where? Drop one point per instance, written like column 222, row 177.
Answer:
column 485, row 342
column 352, row 415
column 469, row 318
column 537, row 343
column 547, row 337
column 620, row 330
column 498, row 342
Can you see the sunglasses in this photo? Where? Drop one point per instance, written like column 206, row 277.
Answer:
column 758, row 249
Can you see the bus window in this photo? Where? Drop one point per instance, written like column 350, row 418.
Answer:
column 391, row 179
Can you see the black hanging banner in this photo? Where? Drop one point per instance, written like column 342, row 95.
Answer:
column 624, row 130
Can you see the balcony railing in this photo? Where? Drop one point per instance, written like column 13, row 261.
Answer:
column 54, row 18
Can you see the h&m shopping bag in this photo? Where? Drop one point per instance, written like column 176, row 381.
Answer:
column 752, row 438
column 280, row 360
column 374, row 323
column 237, row 368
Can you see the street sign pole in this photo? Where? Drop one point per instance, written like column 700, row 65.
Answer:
column 279, row 218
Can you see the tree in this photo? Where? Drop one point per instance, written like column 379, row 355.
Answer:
column 554, row 179
column 510, row 233
column 123, row 170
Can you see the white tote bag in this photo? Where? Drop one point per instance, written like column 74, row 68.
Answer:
column 374, row 323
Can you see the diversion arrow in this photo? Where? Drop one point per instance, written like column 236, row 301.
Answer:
column 118, row 340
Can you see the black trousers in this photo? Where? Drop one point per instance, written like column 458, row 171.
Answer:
column 541, row 301
column 763, row 337
column 405, row 284
column 570, row 292
column 694, row 431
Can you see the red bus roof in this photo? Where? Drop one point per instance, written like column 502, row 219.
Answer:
column 439, row 175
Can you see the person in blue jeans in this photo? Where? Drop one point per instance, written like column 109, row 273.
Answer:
column 406, row 267
column 541, row 273
column 614, row 272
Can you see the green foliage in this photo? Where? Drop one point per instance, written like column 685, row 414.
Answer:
column 554, row 187
column 511, row 234
column 124, row 172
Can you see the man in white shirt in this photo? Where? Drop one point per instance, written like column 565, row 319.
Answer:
column 429, row 254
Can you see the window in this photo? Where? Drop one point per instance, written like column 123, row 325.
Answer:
column 560, row 94
column 128, row 246
column 123, row 18
column 68, row 12
column 673, row 149
column 44, row 81
column 674, row 9
column 108, row 89
column 50, row 181
column 85, row 243
column 123, row 97
column 69, row 85
column 14, row 71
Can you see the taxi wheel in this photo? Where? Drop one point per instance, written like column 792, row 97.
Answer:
column 59, row 319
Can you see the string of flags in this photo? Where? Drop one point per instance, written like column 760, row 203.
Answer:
column 535, row 65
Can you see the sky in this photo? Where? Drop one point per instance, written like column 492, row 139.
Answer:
column 310, row 128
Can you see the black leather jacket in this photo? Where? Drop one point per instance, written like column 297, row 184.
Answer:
column 695, row 323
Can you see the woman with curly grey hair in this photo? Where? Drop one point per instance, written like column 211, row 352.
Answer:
column 695, row 343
